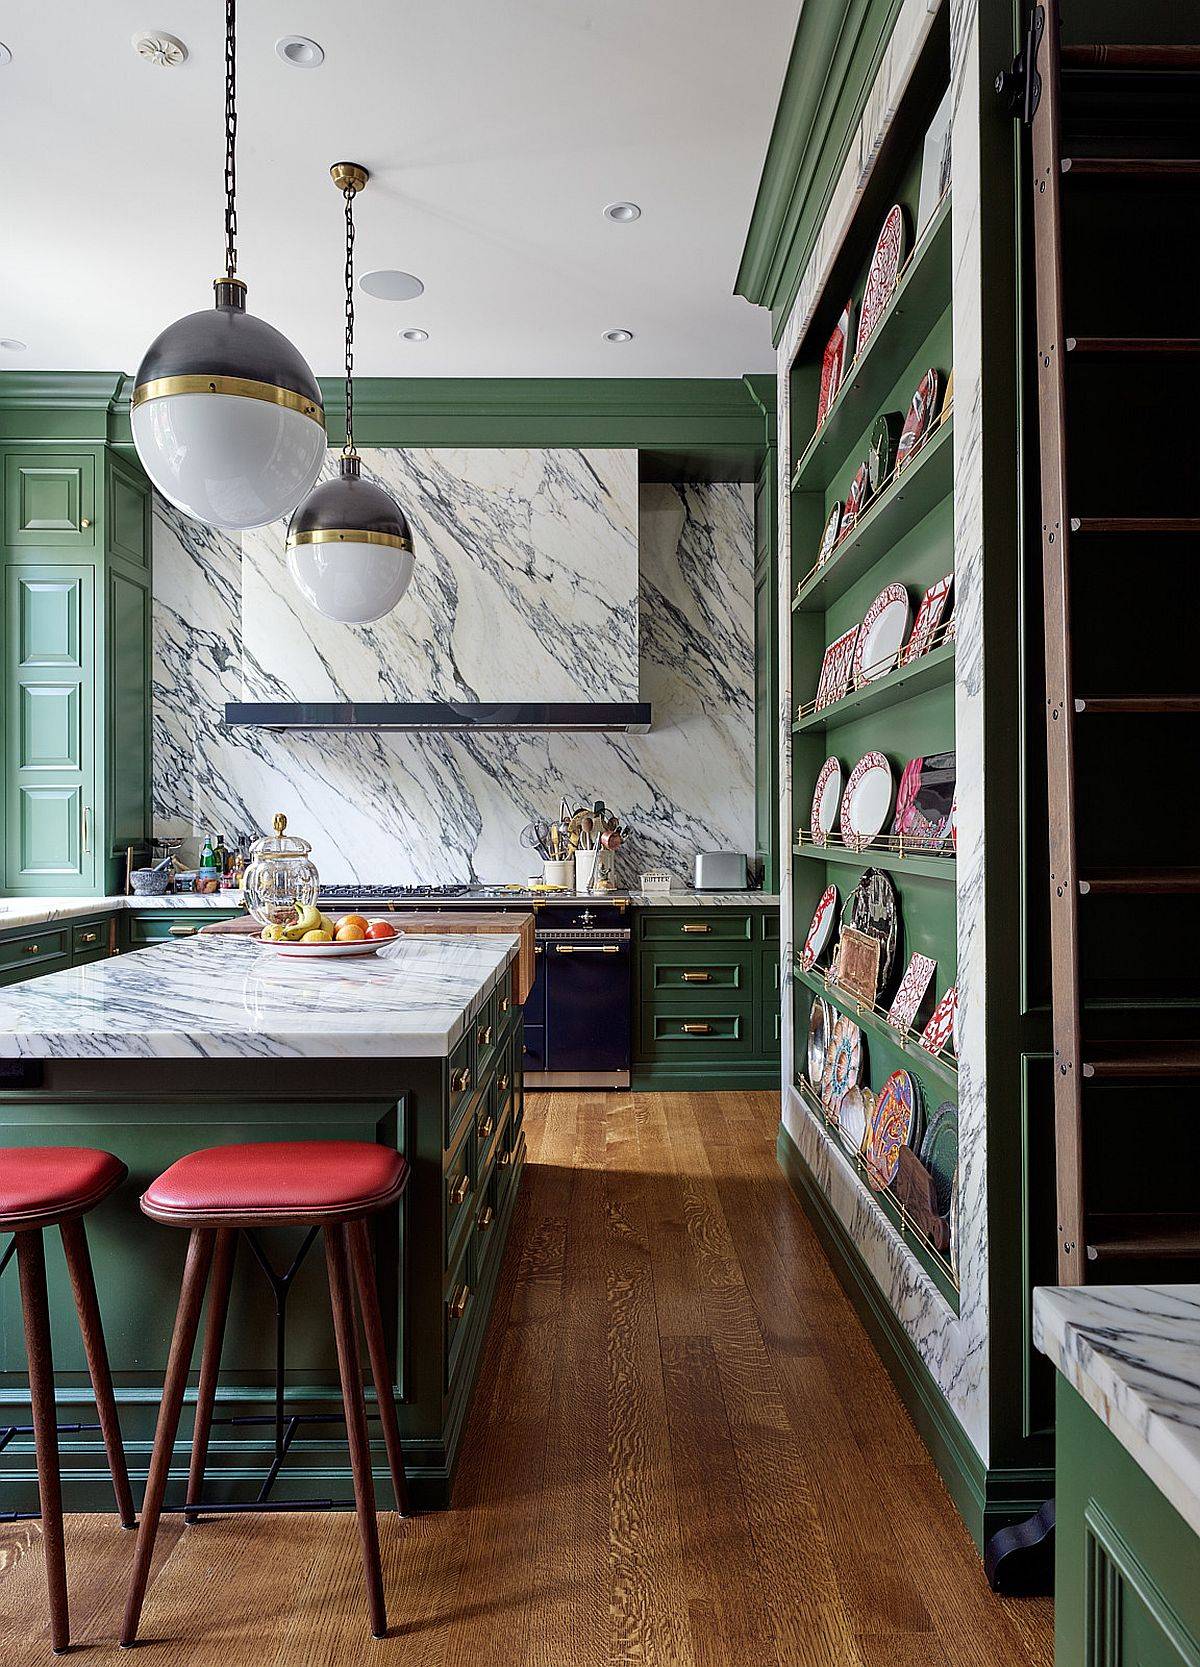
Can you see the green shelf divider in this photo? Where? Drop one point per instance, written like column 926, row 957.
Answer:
column 919, row 299
column 924, row 863
column 906, row 500
column 928, row 672
column 870, row 1021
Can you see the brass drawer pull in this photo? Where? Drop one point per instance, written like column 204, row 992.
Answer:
column 696, row 926
column 503, row 1161
column 486, row 1127
column 484, row 1036
column 697, row 1030
column 460, row 1189
column 486, row 1219
column 461, row 1080
column 505, row 1005
column 590, row 948
column 458, row 1302
column 182, row 931
column 697, row 978
column 504, row 1082
column 89, row 937
column 30, row 948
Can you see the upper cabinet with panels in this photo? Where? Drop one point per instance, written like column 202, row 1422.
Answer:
column 74, row 667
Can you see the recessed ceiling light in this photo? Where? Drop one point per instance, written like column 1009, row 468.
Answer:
column 300, row 52
column 10, row 344
column 5, row 54
column 414, row 335
column 385, row 285
column 153, row 47
column 618, row 335
column 623, row 212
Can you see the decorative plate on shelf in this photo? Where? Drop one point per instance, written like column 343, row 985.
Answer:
column 856, row 500
column 866, row 801
column 882, row 457
column 896, row 1123
column 856, row 963
column 827, row 795
column 820, row 1036
column 952, row 829
column 830, row 536
column 833, row 362
column 881, row 635
column 854, row 1116
column 939, row 1032
column 843, row 1062
column 939, row 1152
column 918, row 976
column 820, row 930
column 920, row 417
column 929, row 617
column 924, row 800
column 881, row 275
column 836, row 669
column 874, row 907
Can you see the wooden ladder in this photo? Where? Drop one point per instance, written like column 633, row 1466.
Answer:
column 1044, row 80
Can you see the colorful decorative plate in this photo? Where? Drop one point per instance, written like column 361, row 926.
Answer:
column 881, row 275
column 833, row 362
column 853, row 1116
column 820, row 1034
column 821, row 929
column 882, row 457
column 895, row 1124
column 924, row 800
column 929, row 617
column 827, row 795
column 918, row 976
column 939, row 1032
column 830, row 536
column 856, row 499
column 939, row 1152
column 919, row 419
column 836, row 669
column 843, row 1062
column 873, row 907
column 881, row 634
column 866, row 801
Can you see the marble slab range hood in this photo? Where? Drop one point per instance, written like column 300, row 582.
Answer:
column 609, row 717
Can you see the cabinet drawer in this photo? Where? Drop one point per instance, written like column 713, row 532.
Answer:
column 486, row 1032
column 487, row 1227
column 34, row 949
column 458, row 1187
column 460, row 1081
column 163, row 925
column 695, row 974
column 770, row 925
column 506, row 999
column 457, row 1307
column 88, row 936
column 489, row 1127
column 699, row 1033
column 707, row 926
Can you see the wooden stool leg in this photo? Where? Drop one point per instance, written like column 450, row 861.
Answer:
column 346, row 1334
column 187, row 1319
column 79, row 1266
column 31, row 1260
column 210, row 1361
column 372, row 1319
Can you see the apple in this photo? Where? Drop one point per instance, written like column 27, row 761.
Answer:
column 318, row 935
column 381, row 929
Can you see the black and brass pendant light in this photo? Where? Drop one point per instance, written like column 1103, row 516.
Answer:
column 227, row 416
column 349, row 548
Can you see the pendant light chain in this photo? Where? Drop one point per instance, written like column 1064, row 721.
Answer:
column 230, row 138
column 348, row 448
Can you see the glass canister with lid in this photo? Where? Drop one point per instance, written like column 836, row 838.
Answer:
column 281, row 880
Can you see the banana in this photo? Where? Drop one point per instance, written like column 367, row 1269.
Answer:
column 309, row 921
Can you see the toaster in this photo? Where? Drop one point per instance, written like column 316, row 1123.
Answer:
column 720, row 871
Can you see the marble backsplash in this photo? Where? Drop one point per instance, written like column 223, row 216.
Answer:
column 564, row 576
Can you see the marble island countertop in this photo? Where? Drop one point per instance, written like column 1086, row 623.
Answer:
column 233, row 998
column 1133, row 1353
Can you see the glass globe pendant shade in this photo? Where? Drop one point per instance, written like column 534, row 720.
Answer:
column 227, row 416
column 349, row 548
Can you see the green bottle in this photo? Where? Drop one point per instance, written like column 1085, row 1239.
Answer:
column 208, row 857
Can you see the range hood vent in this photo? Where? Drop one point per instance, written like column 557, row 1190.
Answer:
column 443, row 717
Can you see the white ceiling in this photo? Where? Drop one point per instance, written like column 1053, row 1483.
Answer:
column 495, row 132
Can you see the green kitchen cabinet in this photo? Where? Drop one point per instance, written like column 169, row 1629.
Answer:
column 29, row 951
column 74, row 668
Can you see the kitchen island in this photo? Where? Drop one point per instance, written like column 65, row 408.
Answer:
column 213, row 1040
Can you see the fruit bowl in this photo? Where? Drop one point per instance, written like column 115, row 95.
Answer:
column 315, row 936
column 325, row 951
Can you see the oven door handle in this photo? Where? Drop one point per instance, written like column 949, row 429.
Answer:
column 587, row 949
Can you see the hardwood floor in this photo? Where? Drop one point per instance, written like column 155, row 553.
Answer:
column 683, row 1451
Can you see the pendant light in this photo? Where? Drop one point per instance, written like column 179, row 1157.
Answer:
column 349, row 548
column 226, row 414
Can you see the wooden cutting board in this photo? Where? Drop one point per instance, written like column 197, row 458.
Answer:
column 431, row 923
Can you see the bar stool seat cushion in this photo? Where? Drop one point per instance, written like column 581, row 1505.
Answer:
column 40, row 1185
column 294, row 1181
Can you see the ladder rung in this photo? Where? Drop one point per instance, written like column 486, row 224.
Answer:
column 1135, row 523
column 1146, row 1236
column 1133, row 167
column 1131, row 57
column 1133, row 347
column 1137, row 705
column 1166, row 882
column 1141, row 1061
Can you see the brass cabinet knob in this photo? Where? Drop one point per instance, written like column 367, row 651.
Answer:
column 486, row 1127
column 484, row 1036
column 486, row 1218
column 504, row 1082
column 460, row 1189
column 89, row 937
column 458, row 1302
column 696, row 1030
column 505, row 1005
column 30, row 948
column 84, row 521
column 695, row 926
column 697, row 978
column 461, row 1080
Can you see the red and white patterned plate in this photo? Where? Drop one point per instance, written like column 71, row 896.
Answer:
column 881, row 634
column 833, row 363
column 919, row 419
column 836, row 669
column 894, row 1123
column 929, row 617
column 820, row 931
column 881, row 275
column 917, row 978
column 826, row 797
column 856, row 498
column 830, row 536
column 939, row 1032
column 866, row 801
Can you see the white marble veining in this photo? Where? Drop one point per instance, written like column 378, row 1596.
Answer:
column 954, row 1347
column 410, row 809
column 1133, row 1353
column 234, row 998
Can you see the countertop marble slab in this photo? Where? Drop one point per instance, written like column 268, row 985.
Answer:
column 40, row 911
column 231, row 998
column 705, row 899
column 1133, row 1353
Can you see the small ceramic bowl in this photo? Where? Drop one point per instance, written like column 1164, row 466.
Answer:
column 149, row 882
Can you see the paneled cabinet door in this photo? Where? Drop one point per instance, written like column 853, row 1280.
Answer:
column 49, row 721
column 49, row 501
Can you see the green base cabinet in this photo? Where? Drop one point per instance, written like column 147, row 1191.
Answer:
column 29, row 951
column 1127, row 1565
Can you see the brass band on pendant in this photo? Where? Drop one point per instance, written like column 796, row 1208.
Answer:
column 240, row 386
column 349, row 535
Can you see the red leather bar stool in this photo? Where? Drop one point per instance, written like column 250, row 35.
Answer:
column 331, row 1185
column 55, row 1186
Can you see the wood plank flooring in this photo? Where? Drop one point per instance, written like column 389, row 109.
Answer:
column 683, row 1452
